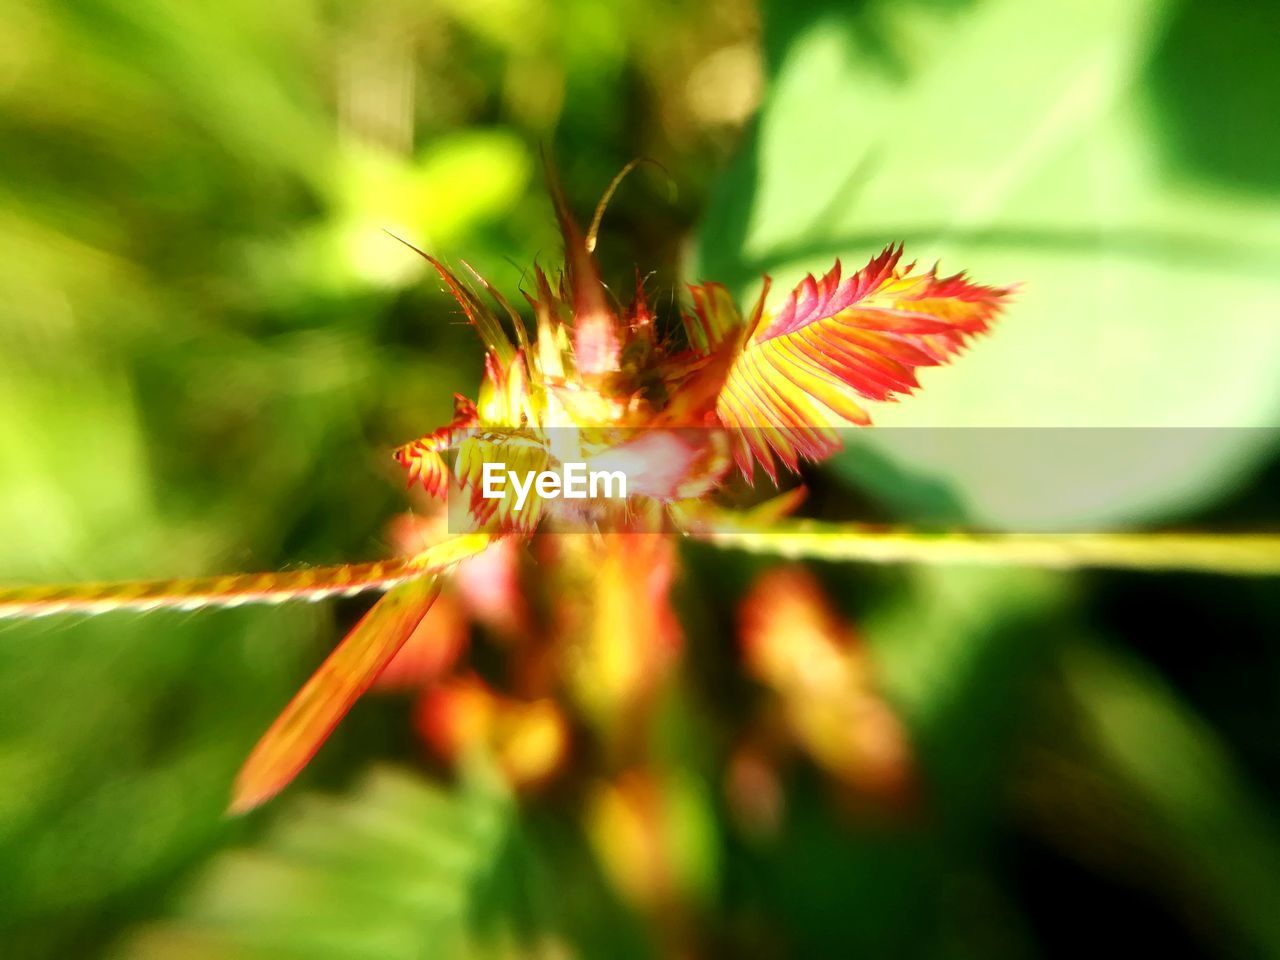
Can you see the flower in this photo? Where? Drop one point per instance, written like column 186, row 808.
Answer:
column 604, row 384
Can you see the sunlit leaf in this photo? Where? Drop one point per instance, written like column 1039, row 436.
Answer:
column 1147, row 296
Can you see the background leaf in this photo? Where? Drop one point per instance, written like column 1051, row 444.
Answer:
column 1027, row 144
column 395, row 869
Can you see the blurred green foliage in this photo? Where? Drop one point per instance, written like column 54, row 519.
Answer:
column 209, row 342
column 392, row 869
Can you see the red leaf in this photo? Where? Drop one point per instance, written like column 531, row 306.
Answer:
column 797, row 375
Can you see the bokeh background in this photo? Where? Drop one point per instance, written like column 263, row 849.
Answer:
column 209, row 343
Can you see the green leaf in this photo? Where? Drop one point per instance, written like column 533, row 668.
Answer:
column 396, row 868
column 1035, row 144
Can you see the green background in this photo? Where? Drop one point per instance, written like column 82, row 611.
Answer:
column 207, row 345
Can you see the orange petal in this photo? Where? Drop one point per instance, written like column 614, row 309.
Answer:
column 795, row 643
column 528, row 738
column 431, row 650
column 326, row 697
